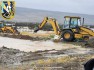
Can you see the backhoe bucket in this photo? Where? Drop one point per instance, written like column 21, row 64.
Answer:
column 36, row 29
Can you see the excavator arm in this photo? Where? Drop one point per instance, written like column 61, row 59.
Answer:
column 53, row 22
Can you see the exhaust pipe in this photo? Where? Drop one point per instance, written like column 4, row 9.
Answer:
column 83, row 22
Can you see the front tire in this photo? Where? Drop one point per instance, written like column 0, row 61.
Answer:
column 86, row 38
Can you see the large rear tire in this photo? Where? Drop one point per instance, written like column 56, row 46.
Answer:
column 67, row 35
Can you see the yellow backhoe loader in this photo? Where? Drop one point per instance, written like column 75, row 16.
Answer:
column 72, row 29
column 7, row 29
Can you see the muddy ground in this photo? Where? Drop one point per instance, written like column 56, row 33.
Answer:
column 69, row 59
column 41, row 53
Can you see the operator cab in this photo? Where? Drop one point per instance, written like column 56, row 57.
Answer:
column 71, row 22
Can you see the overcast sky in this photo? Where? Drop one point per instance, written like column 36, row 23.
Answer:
column 73, row 6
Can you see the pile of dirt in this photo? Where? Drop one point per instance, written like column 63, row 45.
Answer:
column 9, row 56
column 25, row 37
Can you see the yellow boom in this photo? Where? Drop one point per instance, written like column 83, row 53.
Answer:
column 53, row 22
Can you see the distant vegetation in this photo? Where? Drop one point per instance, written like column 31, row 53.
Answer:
column 47, row 27
column 32, row 25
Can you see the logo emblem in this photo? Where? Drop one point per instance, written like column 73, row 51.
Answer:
column 7, row 9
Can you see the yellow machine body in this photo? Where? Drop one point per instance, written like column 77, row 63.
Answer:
column 6, row 29
column 72, row 28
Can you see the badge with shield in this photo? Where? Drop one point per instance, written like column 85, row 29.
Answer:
column 7, row 9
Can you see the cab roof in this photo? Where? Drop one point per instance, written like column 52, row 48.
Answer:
column 72, row 17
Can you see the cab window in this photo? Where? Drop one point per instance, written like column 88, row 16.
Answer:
column 74, row 22
column 66, row 23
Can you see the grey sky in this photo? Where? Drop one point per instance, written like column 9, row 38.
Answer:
column 74, row 6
